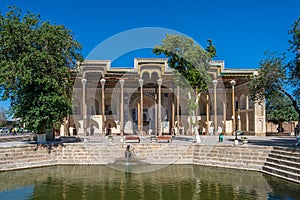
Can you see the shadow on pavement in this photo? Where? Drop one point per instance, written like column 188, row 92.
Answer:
column 285, row 142
column 183, row 139
column 288, row 142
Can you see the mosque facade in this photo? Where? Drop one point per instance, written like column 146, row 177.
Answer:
column 145, row 100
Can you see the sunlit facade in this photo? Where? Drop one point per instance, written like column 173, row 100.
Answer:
column 145, row 100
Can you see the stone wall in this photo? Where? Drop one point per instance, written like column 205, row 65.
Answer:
column 27, row 156
column 237, row 157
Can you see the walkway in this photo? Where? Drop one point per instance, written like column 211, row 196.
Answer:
column 288, row 141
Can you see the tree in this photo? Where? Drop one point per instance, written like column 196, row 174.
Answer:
column 35, row 62
column 191, row 63
column 278, row 78
column 294, row 64
column 3, row 117
column 280, row 110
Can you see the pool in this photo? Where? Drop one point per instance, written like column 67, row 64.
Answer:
column 170, row 182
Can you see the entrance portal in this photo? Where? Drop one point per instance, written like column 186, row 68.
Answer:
column 148, row 113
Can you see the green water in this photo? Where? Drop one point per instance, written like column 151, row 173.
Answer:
column 172, row 182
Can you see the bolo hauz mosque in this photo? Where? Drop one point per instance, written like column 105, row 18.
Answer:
column 145, row 100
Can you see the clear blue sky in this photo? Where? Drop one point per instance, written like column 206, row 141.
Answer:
column 241, row 30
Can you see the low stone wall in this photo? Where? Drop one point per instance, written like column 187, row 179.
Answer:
column 27, row 156
column 237, row 157
column 251, row 158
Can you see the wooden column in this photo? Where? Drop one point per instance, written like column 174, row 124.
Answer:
column 224, row 115
column 178, row 109
column 141, row 82
column 84, row 109
column 173, row 113
column 215, row 82
column 207, row 114
column 159, row 82
column 247, row 114
column 232, row 82
column 139, row 115
column 103, row 105
column 122, row 107
column 156, row 114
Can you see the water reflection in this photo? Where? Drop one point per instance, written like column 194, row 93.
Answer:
column 172, row 182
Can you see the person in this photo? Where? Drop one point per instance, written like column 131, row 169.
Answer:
column 92, row 130
column 74, row 130
column 70, row 130
column 108, row 129
column 221, row 137
column 128, row 152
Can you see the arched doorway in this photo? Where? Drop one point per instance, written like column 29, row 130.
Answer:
column 148, row 112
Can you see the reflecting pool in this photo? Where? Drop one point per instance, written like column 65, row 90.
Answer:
column 172, row 182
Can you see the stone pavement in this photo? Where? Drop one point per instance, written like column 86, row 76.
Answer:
column 214, row 140
column 288, row 141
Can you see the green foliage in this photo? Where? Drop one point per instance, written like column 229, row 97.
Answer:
column 294, row 64
column 279, row 109
column 190, row 61
column 278, row 82
column 271, row 78
column 211, row 49
column 35, row 62
column 191, row 105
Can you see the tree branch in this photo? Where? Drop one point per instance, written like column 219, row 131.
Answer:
column 294, row 102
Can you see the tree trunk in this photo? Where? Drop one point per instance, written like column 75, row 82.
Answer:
column 41, row 135
column 66, row 126
column 297, row 131
column 41, row 138
column 297, row 128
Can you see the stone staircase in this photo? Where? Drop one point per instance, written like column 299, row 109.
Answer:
column 236, row 157
column 14, row 138
column 284, row 163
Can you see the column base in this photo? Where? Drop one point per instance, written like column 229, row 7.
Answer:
column 236, row 142
column 198, row 140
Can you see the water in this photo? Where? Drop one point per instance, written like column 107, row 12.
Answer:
column 132, row 164
column 172, row 182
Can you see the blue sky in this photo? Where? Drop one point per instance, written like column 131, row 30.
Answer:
column 241, row 30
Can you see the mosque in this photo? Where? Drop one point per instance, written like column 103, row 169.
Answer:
column 145, row 100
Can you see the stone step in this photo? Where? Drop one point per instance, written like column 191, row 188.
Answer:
column 15, row 138
column 249, row 160
column 285, row 157
column 285, row 153
column 249, row 156
column 233, row 165
column 294, row 150
column 283, row 167
column 284, row 162
column 281, row 173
